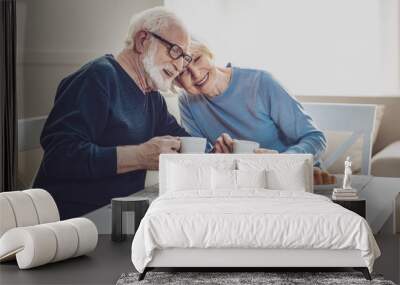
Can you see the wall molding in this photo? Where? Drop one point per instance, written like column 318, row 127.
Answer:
column 51, row 57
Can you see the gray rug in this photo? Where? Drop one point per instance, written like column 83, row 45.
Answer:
column 230, row 278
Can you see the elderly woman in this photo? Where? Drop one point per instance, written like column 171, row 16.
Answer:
column 245, row 104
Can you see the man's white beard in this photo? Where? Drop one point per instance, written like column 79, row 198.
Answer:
column 154, row 71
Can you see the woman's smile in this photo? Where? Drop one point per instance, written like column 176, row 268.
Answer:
column 202, row 81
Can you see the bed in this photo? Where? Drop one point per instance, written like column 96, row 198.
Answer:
column 247, row 210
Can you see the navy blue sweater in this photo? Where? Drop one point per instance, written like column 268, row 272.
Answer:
column 96, row 109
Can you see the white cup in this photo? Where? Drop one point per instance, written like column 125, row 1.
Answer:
column 241, row 146
column 193, row 145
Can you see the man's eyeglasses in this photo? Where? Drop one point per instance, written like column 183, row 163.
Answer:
column 174, row 51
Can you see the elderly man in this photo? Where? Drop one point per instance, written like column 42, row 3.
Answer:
column 109, row 123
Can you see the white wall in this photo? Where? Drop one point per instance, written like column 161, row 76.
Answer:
column 56, row 37
column 313, row 47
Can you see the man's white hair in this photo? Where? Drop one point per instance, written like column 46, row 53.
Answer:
column 152, row 20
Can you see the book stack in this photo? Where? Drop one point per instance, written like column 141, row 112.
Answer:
column 344, row 194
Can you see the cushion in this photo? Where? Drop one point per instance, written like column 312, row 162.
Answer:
column 282, row 174
column 294, row 180
column 223, row 179
column 188, row 177
column 191, row 171
column 227, row 179
column 251, row 178
column 386, row 163
column 335, row 139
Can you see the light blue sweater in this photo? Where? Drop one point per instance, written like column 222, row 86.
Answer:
column 253, row 107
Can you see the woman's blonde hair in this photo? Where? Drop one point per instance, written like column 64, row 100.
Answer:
column 195, row 46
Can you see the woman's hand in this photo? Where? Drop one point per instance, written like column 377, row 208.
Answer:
column 322, row 177
column 224, row 144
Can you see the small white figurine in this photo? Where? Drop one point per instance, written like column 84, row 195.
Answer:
column 347, row 174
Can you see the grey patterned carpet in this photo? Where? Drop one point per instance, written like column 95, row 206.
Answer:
column 243, row 278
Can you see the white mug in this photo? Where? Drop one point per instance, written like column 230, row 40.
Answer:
column 193, row 145
column 241, row 146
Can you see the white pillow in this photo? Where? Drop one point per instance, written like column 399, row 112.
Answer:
column 223, row 179
column 183, row 177
column 226, row 179
column 251, row 178
column 293, row 180
column 282, row 174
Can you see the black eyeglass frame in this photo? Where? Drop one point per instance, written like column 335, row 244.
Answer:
column 186, row 58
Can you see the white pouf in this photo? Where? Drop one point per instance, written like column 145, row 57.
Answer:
column 67, row 240
column 37, row 245
column 7, row 218
column 23, row 208
column 33, row 246
column 45, row 205
column 30, row 230
column 87, row 233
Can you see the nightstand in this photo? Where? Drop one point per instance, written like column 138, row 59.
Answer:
column 136, row 205
column 357, row 206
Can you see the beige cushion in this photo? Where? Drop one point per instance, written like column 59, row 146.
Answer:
column 335, row 139
column 172, row 105
column 386, row 163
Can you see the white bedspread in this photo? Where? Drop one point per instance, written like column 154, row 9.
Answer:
column 250, row 219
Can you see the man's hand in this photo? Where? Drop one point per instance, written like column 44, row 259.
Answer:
column 322, row 177
column 150, row 151
column 224, row 144
column 145, row 155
